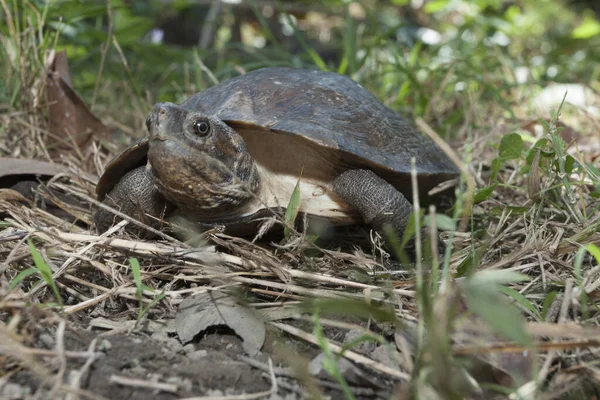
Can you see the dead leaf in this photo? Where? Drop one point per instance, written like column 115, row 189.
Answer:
column 13, row 171
column 20, row 166
column 20, row 181
column 72, row 124
column 198, row 313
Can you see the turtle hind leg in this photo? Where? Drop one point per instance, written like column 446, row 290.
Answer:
column 136, row 196
column 377, row 200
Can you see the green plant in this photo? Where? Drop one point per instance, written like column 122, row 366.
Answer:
column 291, row 211
column 41, row 268
column 140, row 288
column 330, row 363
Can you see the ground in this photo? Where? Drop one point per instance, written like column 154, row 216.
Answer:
column 509, row 309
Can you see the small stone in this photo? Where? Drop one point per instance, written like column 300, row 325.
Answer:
column 197, row 355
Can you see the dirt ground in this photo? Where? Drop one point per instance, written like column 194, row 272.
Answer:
column 152, row 363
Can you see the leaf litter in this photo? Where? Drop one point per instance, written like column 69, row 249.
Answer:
column 91, row 275
column 72, row 127
column 202, row 311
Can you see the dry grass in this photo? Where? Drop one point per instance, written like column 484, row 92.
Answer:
column 92, row 271
column 511, row 231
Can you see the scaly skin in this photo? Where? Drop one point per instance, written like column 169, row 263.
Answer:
column 136, row 196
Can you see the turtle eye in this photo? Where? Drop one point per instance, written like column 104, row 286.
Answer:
column 201, row 127
column 148, row 123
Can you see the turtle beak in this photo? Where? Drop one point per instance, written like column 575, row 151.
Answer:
column 156, row 122
column 164, row 121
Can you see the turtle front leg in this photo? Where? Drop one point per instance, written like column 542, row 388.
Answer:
column 377, row 200
column 136, row 196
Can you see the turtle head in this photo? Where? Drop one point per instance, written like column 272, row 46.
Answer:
column 199, row 162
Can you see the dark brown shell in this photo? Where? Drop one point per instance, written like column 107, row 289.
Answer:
column 130, row 158
column 326, row 108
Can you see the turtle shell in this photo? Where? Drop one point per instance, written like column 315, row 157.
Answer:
column 325, row 108
column 130, row 158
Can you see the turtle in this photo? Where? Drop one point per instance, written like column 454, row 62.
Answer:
column 240, row 148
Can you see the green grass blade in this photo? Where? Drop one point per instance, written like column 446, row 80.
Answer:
column 500, row 316
column 594, row 251
column 361, row 339
column 315, row 57
column 548, row 300
column 135, row 269
column 21, row 276
column 266, row 30
column 291, row 212
column 155, row 301
column 520, row 299
column 578, row 272
column 350, row 42
column 330, row 363
column 499, row 277
column 140, row 287
column 44, row 270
